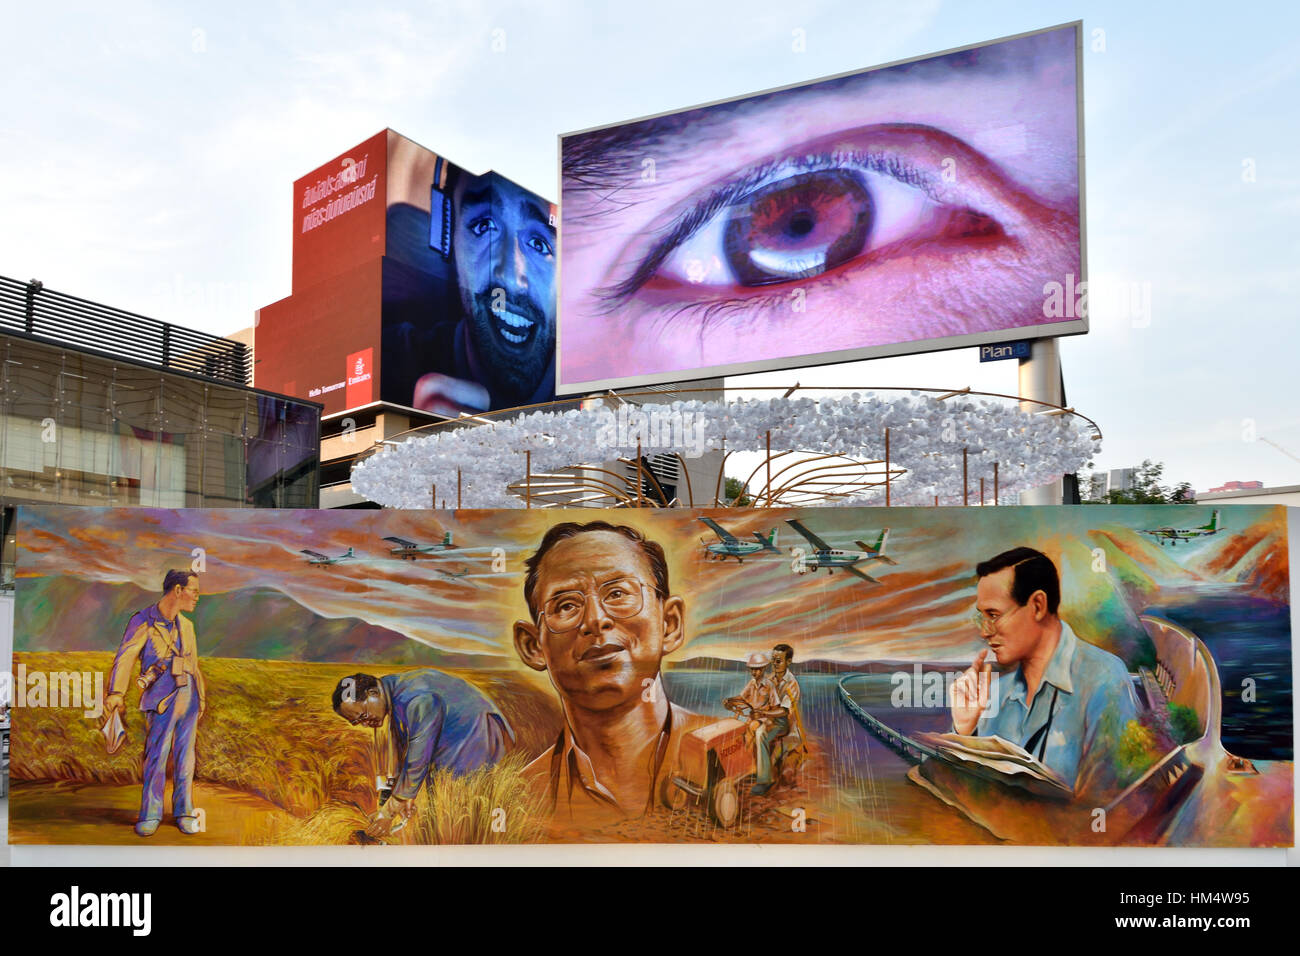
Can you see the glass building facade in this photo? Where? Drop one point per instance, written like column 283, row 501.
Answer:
column 84, row 429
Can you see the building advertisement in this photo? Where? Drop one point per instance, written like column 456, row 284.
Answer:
column 338, row 213
column 439, row 281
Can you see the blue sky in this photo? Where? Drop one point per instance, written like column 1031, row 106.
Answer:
column 147, row 153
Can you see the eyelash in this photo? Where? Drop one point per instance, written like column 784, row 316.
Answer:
column 734, row 192
column 706, row 313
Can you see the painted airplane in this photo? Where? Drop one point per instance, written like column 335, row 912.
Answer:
column 315, row 557
column 409, row 549
column 1174, row 535
column 824, row 556
column 457, row 575
column 729, row 546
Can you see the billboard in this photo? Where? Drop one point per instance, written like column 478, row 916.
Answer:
column 469, row 288
column 415, row 283
column 322, row 341
column 930, row 204
column 774, row 675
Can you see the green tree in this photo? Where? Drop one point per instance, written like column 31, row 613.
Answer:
column 1146, row 489
column 735, row 493
column 1137, row 752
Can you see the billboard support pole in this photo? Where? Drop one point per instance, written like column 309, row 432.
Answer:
column 1041, row 380
column 528, row 478
column 886, row 467
column 640, row 480
column 722, row 466
column 981, row 491
column 995, row 484
column 457, row 489
column 965, row 483
column 690, row 493
column 769, row 468
column 433, row 495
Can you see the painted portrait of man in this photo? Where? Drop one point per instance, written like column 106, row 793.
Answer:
column 603, row 618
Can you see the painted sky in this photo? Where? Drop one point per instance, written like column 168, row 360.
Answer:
column 918, row 612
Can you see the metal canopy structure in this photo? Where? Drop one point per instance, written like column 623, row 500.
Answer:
column 799, row 446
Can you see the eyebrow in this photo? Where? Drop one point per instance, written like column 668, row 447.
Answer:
column 595, row 160
column 589, row 156
column 535, row 212
column 601, row 581
column 476, row 197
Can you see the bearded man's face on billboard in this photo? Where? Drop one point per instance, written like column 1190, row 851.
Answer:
column 504, row 249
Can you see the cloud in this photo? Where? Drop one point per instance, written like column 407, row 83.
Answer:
column 918, row 612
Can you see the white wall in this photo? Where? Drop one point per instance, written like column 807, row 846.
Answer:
column 1288, row 498
column 6, row 684
column 6, row 633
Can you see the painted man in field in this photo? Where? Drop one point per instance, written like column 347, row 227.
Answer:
column 424, row 721
column 163, row 641
column 603, row 619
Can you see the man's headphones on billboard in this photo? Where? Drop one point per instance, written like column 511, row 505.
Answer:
column 440, row 208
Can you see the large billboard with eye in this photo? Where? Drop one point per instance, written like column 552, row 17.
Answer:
column 925, row 205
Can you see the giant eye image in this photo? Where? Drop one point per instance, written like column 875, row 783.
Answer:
column 919, row 206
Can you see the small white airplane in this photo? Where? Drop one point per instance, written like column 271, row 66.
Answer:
column 460, row 576
column 409, row 549
column 316, row 558
column 824, row 556
column 1174, row 535
column 729, row 546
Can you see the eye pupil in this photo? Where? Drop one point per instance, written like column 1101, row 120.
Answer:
column 799, row 227
column 801, row 223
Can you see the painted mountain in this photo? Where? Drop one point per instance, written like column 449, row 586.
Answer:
column 66, row 614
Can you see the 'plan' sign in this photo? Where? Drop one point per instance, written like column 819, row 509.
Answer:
column 1007, row 350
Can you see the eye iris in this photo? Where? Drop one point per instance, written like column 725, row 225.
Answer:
column 798, row 227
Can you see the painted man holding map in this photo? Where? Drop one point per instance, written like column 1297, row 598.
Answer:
column 1065, row 701
column 163, row 641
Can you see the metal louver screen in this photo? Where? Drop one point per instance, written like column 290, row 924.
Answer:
column 33, row 311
